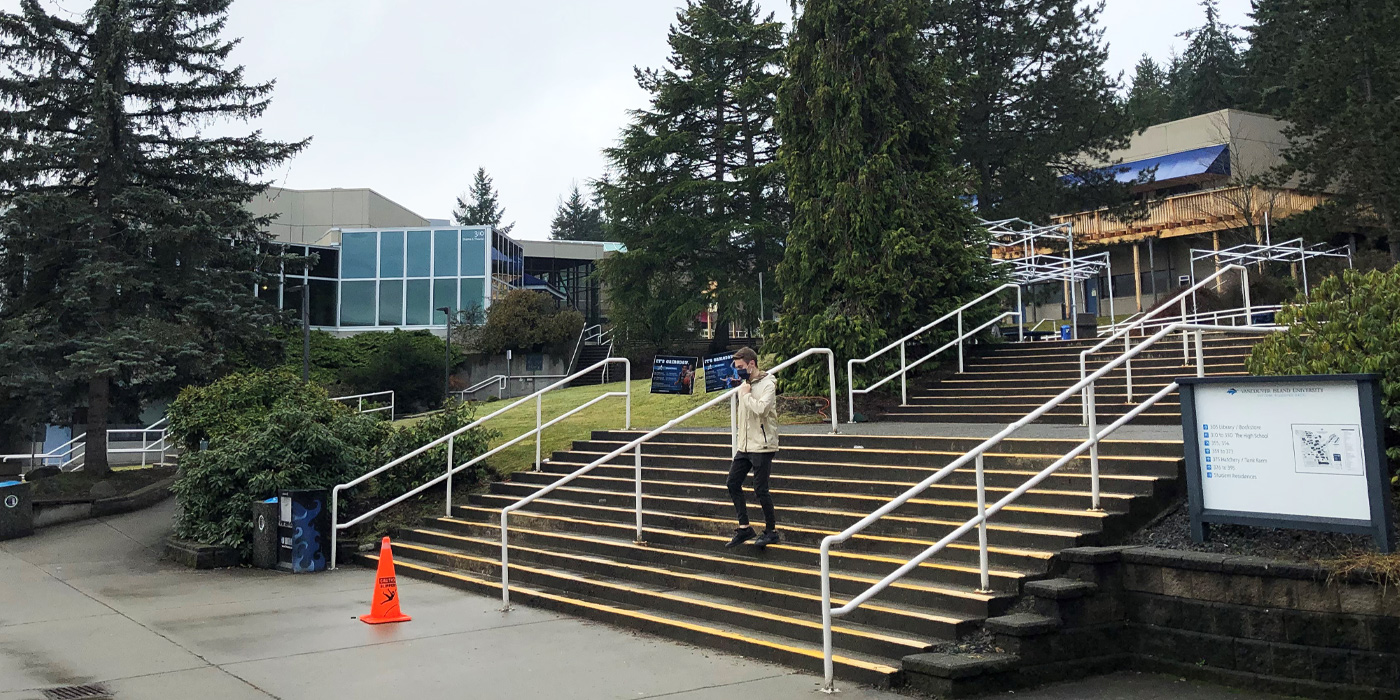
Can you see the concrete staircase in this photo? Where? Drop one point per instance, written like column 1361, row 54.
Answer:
column 591, row 354
column 1013, row 379
column 573, row 551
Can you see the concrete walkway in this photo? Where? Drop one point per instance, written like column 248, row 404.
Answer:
column 92, row 602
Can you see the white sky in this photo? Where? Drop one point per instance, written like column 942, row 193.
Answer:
column 409, row 97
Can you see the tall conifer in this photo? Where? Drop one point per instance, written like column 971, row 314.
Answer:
column 481, row 206
column 128, row 263
column 880, row 242
column 1149, row 98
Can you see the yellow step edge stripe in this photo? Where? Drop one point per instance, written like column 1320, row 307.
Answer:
column 1010, row 551
column 911, row 438
column 886, row 450
column 803, row 651
column 917, row 644
column 822, row 511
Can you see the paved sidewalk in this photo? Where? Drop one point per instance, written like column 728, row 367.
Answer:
column 92, row 602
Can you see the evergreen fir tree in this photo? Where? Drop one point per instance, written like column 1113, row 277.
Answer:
column 577, row 220
column 1035, row 102
column 128, row 263
column 1150, row 98
column 484, row 208
column 694, row 190
column 1211, row 74
column 880, row 242
column 1331, row 70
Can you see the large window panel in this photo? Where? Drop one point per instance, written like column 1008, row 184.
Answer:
column 357, row 251
column 473, row 252
column 323, row 302
column 327, row 263
column 391, row 253
column 391, row 303
column 357, row 304
column 420, row 303
column 444, row 295
column 445, row 253
column 473, row 293
column 420, row 253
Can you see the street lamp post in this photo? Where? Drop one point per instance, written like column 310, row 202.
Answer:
column 447, row 357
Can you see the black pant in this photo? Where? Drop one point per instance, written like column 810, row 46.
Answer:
column 762, row 465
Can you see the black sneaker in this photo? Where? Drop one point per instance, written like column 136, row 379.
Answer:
column 741, row 535
column 769, row 537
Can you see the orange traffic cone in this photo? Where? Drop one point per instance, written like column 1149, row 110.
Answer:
column 385, row 606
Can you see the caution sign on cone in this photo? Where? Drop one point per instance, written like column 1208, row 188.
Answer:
column 385, row 607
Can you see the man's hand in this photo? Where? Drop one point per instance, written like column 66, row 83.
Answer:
column 745, row 388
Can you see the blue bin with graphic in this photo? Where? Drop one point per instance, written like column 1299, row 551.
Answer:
column 1065, row 333
column 303, row 530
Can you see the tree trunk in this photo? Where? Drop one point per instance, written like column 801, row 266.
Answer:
column 95, row 449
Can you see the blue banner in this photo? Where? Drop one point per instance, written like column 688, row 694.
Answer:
column 673, row 375
column 720, row 374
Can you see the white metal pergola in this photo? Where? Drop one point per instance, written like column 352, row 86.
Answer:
column 1295, row 251
column 1024, row 239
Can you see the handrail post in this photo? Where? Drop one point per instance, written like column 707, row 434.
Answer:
column 505, row 562
column 1185, row 336
column 828, row 666
column 638, row 461
column 960, row 343
column 982, row 528
column 903, row 376
column 335, row 523
column 627, row 378
column 831, row 378
column 1083, row 393
column 1093, row 448
column 450, row 443
column 733, row 425
column 1128, row 368
column 1200, row 354
column 1020, row 316
column 850, row 391
column 539, row 410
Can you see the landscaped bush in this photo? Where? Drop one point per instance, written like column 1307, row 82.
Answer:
column 407, row 362
column 527, row 321
column 1350, row 326
column 247, row 436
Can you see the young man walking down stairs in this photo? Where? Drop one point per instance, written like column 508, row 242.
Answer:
column 757, row 441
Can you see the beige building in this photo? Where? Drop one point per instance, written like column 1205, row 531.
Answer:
column 306, row 216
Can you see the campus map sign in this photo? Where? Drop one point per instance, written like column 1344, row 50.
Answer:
column 1302, row 452
column 673, row 375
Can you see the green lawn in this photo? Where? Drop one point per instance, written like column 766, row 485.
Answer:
column 648, row 411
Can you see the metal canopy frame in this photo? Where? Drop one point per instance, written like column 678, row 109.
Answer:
column 1024, row 238
column 1295, row 251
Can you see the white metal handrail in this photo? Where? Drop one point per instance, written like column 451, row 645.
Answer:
column 985, row 511
column 1126, row 331
column 449, row 439
column 636, row 447
column 63, row 453
column 499, row 380
column 902, row 343
column 360, row 402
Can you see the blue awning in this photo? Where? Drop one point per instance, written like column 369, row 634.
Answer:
column 1198, row 163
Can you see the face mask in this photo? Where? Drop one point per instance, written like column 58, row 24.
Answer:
column 743, row 373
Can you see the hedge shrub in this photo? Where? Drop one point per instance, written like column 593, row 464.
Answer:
column 1351, row 325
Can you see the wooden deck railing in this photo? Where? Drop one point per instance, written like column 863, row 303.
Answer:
column 1193, row 213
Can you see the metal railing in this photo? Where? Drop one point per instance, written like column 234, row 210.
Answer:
column 159, row 444
column 499, row 380
column 65, row 454
column 450, row 438
column 635, row 446
column 1141, row 323
column 360, row 402
column 984, row 511
column 594, row 334
column 70, row 455
column 902, row 344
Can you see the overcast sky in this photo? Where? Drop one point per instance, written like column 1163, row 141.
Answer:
column 408, row 97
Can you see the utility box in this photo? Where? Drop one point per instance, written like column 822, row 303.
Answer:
column 265, row 527
column 16, row 510
column 303, row 530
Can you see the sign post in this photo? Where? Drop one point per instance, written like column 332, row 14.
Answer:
column 1304, row 452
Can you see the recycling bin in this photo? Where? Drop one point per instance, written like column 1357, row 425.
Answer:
column 1065, row 333
column 265, row 527
column 16, row 510
column 303, row 530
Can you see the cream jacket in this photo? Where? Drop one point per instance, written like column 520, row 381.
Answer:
column 757, row 424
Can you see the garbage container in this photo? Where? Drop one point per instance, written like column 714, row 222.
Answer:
column 1264, row 318
column 16, row 510
column 303, row 530
column 265, row 526
column 1064, row 332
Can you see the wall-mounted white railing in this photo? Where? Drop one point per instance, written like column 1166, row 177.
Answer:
column 984, row 511
column 450, row 438
column 635, row 446
column 1145, row 321
column 905, row 366
column 375, row 400
column 498, row 381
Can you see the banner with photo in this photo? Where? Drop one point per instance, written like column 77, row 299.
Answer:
column 673, row 375
column 720, row 374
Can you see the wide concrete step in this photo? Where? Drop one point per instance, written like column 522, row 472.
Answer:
column 710, row 534
column 1135, row 476
column 794, row 504
column 1213, row 353
column 1066, row 418
column 678, row 513
column 446, row 567
column 1071, row 376
column 891, row 449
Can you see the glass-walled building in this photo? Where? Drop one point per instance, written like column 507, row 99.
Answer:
column 378, row 279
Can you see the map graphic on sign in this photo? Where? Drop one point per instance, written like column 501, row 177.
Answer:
column 1328, row 449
